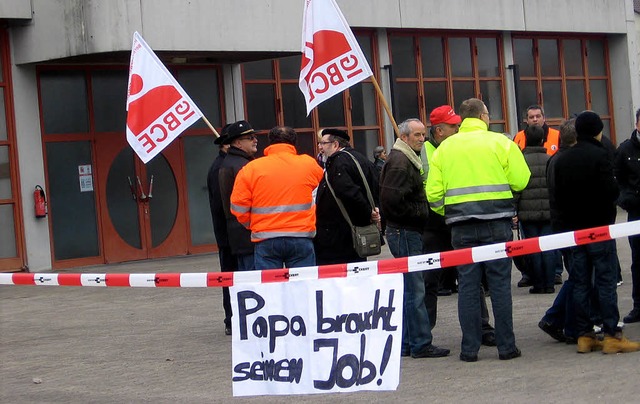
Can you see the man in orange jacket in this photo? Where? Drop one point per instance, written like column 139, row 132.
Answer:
column 273, row 196
column 535, row 117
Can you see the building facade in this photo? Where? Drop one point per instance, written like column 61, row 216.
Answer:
column 64, row 71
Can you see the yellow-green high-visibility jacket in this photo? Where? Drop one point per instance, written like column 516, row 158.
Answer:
column 472, row 174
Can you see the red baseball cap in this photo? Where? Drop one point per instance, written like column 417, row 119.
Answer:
column 444, row 114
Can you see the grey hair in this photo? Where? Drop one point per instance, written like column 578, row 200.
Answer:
column 377, row 151
column 404, row 128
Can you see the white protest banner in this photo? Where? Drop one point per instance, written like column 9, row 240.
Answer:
column 158, row 109
column 332, row 60
column 325, row 336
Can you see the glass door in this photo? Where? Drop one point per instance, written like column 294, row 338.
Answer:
column 142, row 212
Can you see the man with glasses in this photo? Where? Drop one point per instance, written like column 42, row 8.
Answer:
column 273, row 197
column 333, row 243
column 243, row 146
column 472, row 177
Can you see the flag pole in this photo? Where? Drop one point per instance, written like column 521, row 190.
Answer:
column 204, row 118
column 386, row 106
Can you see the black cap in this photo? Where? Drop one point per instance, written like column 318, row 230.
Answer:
column 588, row 124
column 223, row 134
column 238, row 129
column 336, row 132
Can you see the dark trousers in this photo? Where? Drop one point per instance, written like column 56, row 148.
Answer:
column 228, row 263
column 593, row 267
column 634, row 242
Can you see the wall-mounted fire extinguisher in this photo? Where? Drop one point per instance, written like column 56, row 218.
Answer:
column 39, row 202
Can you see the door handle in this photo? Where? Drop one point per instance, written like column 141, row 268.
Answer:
column 132, row 188
column 151, row 187
column 143, row 197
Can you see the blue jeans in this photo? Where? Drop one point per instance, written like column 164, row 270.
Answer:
column 561, row 314
column 634, row 243
column 246, row 262
column 595, row 261
column 498, row 273
column 285, row 252
column 416, row 331
column 543, row 264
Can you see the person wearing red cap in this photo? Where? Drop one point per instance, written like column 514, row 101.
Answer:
column 436, row 236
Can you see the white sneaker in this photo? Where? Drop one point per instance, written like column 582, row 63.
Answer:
column 620, row 283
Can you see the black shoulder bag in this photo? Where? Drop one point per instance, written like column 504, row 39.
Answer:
column 366, row 239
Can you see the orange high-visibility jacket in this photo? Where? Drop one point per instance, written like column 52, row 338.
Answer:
column 551, row 144
column 273, row 196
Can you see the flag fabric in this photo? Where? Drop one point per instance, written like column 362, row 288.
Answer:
column 158, row 109
column 332, row 60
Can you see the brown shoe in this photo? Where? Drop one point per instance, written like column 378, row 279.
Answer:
column 619, row 344
column 588, row 343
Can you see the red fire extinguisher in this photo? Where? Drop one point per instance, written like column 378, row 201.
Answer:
column 40, row 202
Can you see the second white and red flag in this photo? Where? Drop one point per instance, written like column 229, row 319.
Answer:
column 332, row 60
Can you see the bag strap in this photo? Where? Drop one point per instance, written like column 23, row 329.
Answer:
column 364, row 181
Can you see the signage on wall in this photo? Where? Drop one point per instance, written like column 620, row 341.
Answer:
column 86, row 179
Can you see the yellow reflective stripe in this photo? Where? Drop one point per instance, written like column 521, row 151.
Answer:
column 477, row 189
column 281, row 209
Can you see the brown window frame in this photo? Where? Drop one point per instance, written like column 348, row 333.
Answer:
column 19, row 261
column 449, row 79
column 585, row 78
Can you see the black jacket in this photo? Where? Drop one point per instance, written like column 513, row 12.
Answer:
column 333, row 242
column 239, row 236
column 533, row 201
column 627, row 171
column 583, row 186
column 403, row 200
column 215, row 202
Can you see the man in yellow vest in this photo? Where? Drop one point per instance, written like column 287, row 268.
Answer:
column 436, row 236
column 471, row 179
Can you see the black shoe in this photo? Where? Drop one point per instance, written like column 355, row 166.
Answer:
column 558, row 280
column 489, row 339
column 468, row 358
column 632, row 317
column 553, row 332
column 542, row 291
column 571, row 340
column 511, row 355
column 444, row 292
column 524, row 282
column 227, row 330
column 431, row 351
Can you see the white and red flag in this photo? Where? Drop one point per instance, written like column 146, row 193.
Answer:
column 332, row 60
column 158, row 109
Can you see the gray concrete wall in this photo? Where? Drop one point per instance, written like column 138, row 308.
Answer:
column 31, row 165
column 624, row 60
column 15, row 9
column 63, row 28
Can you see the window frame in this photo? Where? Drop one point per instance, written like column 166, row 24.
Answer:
column 449, row 79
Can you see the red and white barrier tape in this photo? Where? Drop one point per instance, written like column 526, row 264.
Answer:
column 415, row 263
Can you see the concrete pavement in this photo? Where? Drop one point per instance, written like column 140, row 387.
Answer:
column 167, row 345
